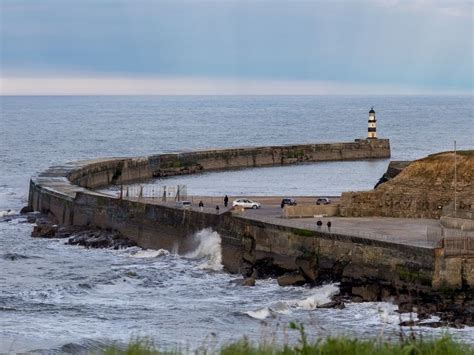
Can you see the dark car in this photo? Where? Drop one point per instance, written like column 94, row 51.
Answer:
column 323, row 201
column 288, row 201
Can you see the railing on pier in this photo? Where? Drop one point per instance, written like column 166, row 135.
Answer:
column 449, row 211
column 453, row 241
column 458, row 245
column 159, row 193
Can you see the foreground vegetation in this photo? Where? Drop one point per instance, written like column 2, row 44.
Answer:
column 331, row 346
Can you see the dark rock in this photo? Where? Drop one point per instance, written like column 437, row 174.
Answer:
column 248, row 281
column 408, row 323
column 26, row 209
column 308, row 266
column 63, row 233
column 368, row 293
column 265, row 268
column 423, row 315
column 31, row 218
column 100, row 239
column 357, row 299
column 45, row 230
column 433, row 324
column 337, row 304
column 294, row 279
column 386, row 295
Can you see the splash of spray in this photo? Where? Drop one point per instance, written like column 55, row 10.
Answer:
column 209, row 247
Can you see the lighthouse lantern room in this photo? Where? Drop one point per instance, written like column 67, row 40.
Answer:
column 372, row 131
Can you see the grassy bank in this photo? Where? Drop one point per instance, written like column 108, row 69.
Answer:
column 336, row 346
column 329, row 346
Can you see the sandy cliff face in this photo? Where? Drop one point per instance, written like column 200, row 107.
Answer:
column 419, row 190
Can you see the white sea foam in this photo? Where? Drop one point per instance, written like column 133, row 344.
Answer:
column 280, row 308
column 261, row 313
column 150, row 253
column 7, row 213
column 319, row 296
column 209, row 247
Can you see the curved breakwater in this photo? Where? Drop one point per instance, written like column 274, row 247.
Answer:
column 250, row 246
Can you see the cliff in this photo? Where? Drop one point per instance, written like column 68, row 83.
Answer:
column 420, row 190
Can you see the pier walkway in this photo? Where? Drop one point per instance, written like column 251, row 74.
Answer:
column 406, row 231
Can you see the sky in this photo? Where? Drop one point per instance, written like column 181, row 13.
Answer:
column 236, row 47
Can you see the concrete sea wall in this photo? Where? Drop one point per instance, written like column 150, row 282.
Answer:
column 101, row 172
column 248, row 246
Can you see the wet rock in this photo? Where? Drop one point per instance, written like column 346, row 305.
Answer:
column 337, row 304
column 408, row 323
column 100, row 239
column 26, row 209
column 44, row 230
column 248, row 281
column 294, row 279
column 458, row 319
column 265, row 268
column 367, row 293
column 433, row 324
column 308, row 267
column 64, row 232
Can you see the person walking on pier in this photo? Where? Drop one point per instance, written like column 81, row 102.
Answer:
column 319, row 224
column 217, row 209
column 226, row 201
column 329, row 226
column 201, row 205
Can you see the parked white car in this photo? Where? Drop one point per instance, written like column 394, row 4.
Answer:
column 246, row 203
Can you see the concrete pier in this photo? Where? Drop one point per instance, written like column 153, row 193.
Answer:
column 253, row 241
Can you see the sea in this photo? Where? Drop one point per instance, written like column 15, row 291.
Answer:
column 57, row 298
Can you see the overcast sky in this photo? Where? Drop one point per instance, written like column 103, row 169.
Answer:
column 243, row 47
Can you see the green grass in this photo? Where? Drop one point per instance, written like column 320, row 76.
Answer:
column 330, row 346
column 304, row 232
column 345, row 346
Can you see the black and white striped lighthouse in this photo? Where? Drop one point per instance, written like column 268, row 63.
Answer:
column 372, row 131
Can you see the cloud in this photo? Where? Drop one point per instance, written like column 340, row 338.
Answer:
column 116, row 85
column 455, row 8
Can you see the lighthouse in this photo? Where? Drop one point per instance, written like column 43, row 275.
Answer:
column 372, row 131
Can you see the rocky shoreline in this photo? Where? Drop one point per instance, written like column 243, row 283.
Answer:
column 454, row 309
column 85, row 236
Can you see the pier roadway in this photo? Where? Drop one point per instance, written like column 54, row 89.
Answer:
column 407, row 231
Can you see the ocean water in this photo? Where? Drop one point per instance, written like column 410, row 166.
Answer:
column 67, row 298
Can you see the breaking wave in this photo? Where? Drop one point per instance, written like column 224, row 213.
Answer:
column 261, row 313
column 7, row 213
column 320, row 295
column 150, row 253
column 209, row 247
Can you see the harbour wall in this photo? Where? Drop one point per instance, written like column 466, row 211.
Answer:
column 248, row 246
column 96, row 173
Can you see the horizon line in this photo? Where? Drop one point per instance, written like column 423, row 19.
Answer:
column 93, row 85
